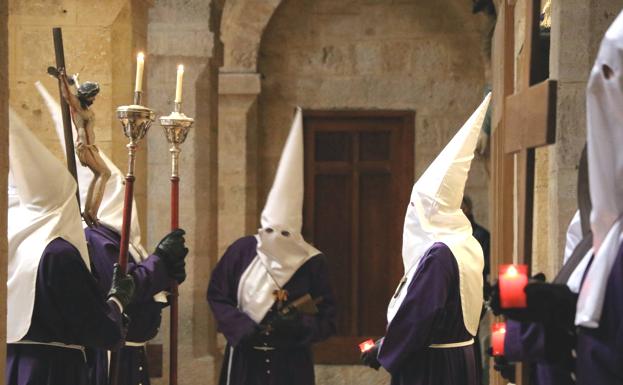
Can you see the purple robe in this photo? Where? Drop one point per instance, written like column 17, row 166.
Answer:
column 70, row 309
column 600, row 350
column 150, row 277
column 430, row 314
column 526, row 342
column 290, row 363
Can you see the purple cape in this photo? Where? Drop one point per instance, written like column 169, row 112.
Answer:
column 600, row 351
column 70, row 309
column 150, row 277
column 430, row 314
column 290, row 363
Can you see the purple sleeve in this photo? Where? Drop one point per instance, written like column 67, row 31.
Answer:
column 150, row 277
column 223, row 298
column 322, row 325
column 93, row 321
column 524, row 341
column 411, row 327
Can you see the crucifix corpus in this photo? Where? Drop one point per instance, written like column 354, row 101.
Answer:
column 79, row 103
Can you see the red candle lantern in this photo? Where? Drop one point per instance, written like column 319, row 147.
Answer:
column 498, row 332
column 512, row 282
column 366, row 345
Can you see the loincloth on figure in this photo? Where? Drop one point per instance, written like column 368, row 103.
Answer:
column 88, row 154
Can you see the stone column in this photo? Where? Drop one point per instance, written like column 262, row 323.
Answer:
column 237, row 156
column 180, row 34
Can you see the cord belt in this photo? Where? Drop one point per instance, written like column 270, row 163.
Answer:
column 452, row 344
column 54, row 344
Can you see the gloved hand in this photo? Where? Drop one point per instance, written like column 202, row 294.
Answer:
column 122, row 287
column 370, row 357
column 551, row 303
column 254, row 338
column 518, row 314
column 286, row 326
column 505, row 368
column 172, row 251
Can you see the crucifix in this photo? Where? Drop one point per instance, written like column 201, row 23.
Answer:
column 528, row 122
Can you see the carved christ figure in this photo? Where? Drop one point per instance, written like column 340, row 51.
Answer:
column 88, row 154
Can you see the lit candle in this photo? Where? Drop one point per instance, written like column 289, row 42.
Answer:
column 140, row 64
column 498, row 332
column 512, row 282
column 366, row 345
column 178, row 86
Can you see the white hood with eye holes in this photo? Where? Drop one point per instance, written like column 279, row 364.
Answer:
column 281, row 249
column 604, row 98
column 434, row 215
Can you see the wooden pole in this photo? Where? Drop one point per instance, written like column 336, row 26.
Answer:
column 59, row 52
column 174, row 327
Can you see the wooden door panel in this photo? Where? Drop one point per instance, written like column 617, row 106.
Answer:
column 376, row 250
column 358, row 175
column 332, row 205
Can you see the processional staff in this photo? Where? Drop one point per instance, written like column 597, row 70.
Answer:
column 176, row 126
column 136, row 121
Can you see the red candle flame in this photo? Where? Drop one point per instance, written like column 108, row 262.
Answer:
column 366, row 345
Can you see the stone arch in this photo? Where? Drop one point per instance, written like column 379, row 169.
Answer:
column 243, row 25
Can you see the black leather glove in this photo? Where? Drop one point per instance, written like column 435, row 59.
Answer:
column 518, row 314
column 286, row 326
column 370, row 357
column 505, row 368
column 551, row 303
column 122, row 287
column 172, row 251
column 254, row 338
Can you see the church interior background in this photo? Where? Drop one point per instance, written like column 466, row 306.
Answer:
column 403, row 73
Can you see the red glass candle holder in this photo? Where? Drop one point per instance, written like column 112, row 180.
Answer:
column 512, row 282
column 366, row 345
column 498, row 332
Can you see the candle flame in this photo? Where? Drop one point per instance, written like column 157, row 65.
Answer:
column 366, row 345
column 180, row 67
column 512, row 271
column 140, row 56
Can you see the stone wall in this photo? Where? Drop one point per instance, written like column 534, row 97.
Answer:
column 4, row 170
column 414, row 55
column 101, row 40
column 359, row 54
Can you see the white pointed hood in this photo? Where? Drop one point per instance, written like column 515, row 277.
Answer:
column 281, row 248
column 605, row 162
column 111, row 209
column 42, row 207
column 434, row 215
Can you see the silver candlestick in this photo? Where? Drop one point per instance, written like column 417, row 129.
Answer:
column 176, row 126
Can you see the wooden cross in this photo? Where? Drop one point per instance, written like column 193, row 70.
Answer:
column 528, row 122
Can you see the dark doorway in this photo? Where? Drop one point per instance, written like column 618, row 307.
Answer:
column 359, row 168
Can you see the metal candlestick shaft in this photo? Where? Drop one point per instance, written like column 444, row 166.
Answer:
column 176, row 126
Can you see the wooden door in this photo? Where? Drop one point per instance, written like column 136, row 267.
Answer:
column 358, row 176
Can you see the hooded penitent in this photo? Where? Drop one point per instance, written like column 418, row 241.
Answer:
column 605, row 161
column 42, row 207
column 434, row 215
column 111, row 210
column 281, row 249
